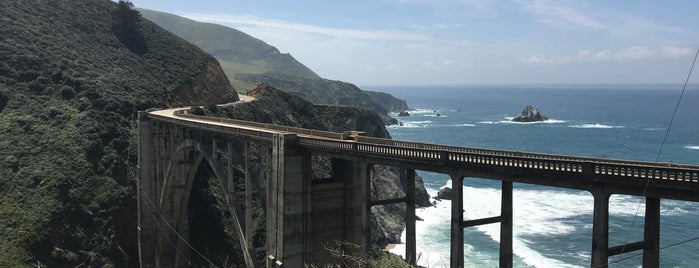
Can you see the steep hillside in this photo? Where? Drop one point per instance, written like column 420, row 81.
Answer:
column 72, row 75
column 249, row 61
column 238, row 51
column 278, row 107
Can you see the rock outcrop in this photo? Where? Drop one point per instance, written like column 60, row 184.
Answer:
column 530, row 114
column 404, row 113
column 444, row 193
column 279, row 107
column 209, row 86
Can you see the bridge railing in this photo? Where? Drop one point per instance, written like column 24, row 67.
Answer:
column 297, row 130
column 579, row 165
column 504, row 158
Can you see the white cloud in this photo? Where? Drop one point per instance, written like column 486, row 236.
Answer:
column 673, row 51
column 238, row 20
column 551, row 12
column 634, row 53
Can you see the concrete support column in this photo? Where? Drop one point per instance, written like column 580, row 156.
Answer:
column 248, row 196
column 600, row 228
column 410, row 244
column 457, row 219
column 651, row 233
column 356, row 200
column 287, row 209
column 506, row 225
column 146, row 191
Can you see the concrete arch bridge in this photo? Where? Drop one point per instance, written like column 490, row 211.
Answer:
column 303, row 214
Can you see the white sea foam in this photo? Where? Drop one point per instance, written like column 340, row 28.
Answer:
column 536, row 213
column 423, row 111
column 462, row 125
column 508, row 121
column 600, row 126
column 692, row 147
column 414, row 124
column 654, row 129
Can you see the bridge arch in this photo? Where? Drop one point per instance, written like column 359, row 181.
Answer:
column 172, row 249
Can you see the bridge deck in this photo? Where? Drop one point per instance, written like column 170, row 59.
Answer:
column 666, row 180
column 601, row 177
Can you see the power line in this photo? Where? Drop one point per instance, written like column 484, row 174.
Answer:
column 665, row 247
column 662, row 145
column 138, row 186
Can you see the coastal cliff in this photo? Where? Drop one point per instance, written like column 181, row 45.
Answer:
column 210, row 85
column 72, row 76
column 278, row 107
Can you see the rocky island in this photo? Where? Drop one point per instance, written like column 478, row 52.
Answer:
column 530, row 114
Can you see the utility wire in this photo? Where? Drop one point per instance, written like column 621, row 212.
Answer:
column 138, row 185
column 660, row 150
column 665, row 247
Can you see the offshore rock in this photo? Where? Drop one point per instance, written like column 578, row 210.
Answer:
column 530, row 114
column 404, row 113
column 444, row 193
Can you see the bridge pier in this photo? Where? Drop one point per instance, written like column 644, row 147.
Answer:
column 651, row 233
column 457, row 221
column 600, row 227
column 458, row 224
column 146, row 184
column 287, row 206
column 410, row 244
column 506, row 225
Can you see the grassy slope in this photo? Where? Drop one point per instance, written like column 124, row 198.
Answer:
column 240, row 52
column 248, row 61
column 69, row 84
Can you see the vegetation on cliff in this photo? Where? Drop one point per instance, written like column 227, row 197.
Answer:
column 72, row 74
column 278, row 107
column 249, row 61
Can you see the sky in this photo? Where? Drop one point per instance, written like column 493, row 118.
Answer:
column 462, row 42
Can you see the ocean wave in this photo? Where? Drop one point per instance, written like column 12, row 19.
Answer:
column 423, row 111
column 462, row 125
column 599, row 126
column 654, row 129
column 535, row 216
column 413, row 124
column 692, row 147
column 550, row 121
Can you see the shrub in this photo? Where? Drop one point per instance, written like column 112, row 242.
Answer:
column 4, row 97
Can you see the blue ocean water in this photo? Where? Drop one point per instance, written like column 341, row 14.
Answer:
column 553, row 226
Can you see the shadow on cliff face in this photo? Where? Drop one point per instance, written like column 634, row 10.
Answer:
column 277, row 107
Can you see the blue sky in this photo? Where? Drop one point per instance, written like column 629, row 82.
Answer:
column 424, row 42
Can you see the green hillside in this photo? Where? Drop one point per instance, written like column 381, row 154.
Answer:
column 72, row 75
column 248, row 62
column 238, row 52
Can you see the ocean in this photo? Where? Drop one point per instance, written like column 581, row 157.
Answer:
column 553, row 226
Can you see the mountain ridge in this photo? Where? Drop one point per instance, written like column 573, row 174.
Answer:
column 251, row 67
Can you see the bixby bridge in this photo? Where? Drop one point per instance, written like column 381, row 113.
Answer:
column 303, row 214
